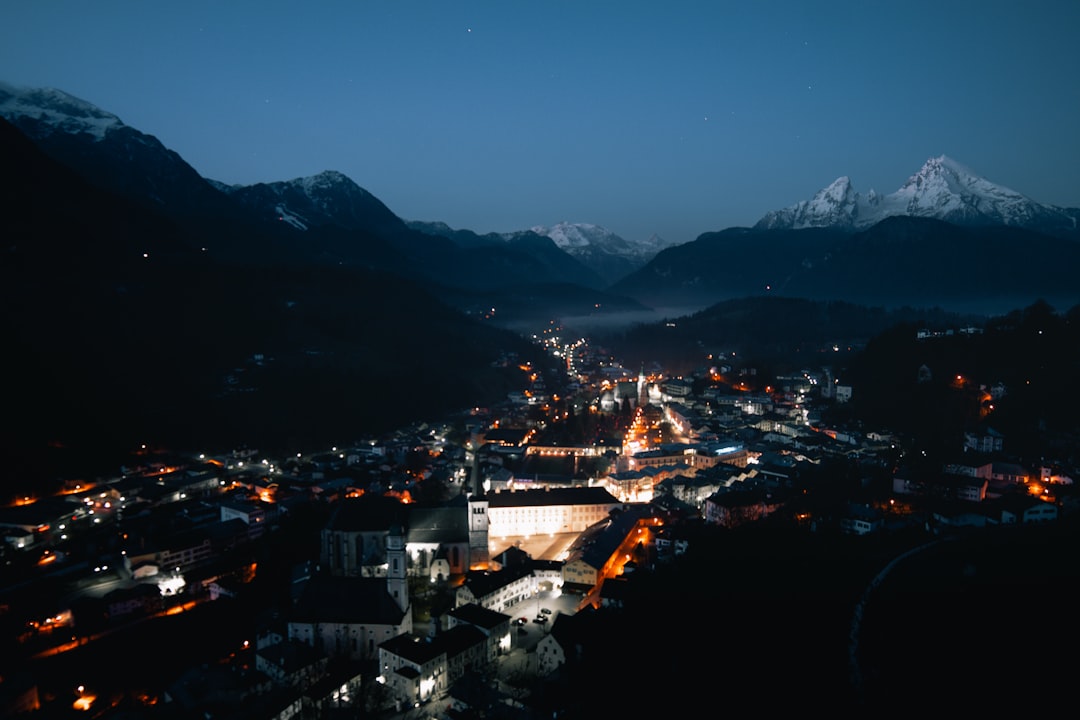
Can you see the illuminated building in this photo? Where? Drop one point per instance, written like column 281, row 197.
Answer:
column 417, row 669
column 548, row 511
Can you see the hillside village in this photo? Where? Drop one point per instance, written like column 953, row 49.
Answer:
column 459, row 569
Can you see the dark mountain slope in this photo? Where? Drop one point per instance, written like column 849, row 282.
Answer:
column 764, row 329
column 123, row 331
column 918, row 262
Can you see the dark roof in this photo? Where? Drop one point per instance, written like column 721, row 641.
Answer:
column 600, row 546
column 290, row 655
column 739, row 498
column 328, row 598
column 482, row 583
column 458, row 639
column 367, row 512
column 413, row 648
column 479, row 616
column 442, row 524
column 510, row 435
column 42, row 512
column 512, row 556
column 614, row 588
column 552, row 496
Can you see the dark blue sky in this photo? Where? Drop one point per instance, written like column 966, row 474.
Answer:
column 644, row 117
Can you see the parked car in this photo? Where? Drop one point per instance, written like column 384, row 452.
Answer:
column 540, row 619
column 545, row 611
column 521, row 621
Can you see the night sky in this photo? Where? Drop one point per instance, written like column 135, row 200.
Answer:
column 643, row 117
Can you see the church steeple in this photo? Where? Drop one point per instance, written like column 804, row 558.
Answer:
column 642, row 387
column 396, row 583
column 479, row 557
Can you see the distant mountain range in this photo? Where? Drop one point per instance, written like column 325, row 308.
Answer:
column 947, row 237
column 942, row 189
column 325, row 219
column 145, row 295
column 900, row 261
column 143, row 303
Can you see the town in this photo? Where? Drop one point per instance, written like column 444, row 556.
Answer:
column 461, row 568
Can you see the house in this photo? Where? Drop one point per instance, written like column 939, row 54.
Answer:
column 692, row 490
column 1023, row 510
column 494, row 625
column 861, row 520
column 291, row 662
column 497, row 590
column 1010, row 473
column 613, row 592
column 950, row 486
column 256, row 514
column 564, row 643
column 337, row 690
column 984, row 440
column 669, row 544
column 908, row 481
column 417, row 669
column 732, row 508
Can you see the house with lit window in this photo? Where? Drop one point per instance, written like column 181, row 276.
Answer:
column 497, row 590
column 417, row 669
column 1023, row 510
column 494, row 625
column 734, row 507
column 860, row 519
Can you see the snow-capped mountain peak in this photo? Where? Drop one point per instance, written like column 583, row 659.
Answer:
column 837, row 204
column 570, row 236
column 608, row 254
column 943, row 189
column 56, row 110
column 328, row 181
column 579, row 238
column 328, row 197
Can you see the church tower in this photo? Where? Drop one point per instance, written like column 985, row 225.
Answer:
column 642, row 388
column 478, row 532
column 396, row 583
column 478, row 515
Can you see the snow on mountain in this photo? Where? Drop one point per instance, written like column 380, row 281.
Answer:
column 584, row 238
column 942, row 189
column 330, row 197
column 56, row 110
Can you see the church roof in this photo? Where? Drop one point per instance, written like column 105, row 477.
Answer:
column 437, row 524
column 482, row 583
column 479, row 616
column 367, row 512
column 332, row 599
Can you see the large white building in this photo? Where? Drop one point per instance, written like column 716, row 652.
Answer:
column 547, row 512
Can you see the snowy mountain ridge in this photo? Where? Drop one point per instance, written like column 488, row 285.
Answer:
column 580, row 238
column 57, row 110
column 943, row 189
